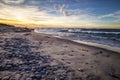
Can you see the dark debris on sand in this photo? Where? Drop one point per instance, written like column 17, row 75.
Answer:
column 5, row 28
column 23, row 64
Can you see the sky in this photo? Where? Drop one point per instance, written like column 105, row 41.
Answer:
column 61, row 13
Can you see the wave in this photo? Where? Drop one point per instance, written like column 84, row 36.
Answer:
column 52, row 32
column 92, row 32
column 79, row 30
column 109, row 37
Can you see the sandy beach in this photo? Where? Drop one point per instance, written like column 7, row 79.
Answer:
column 35, row 56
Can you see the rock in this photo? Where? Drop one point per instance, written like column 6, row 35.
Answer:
column 72, row 51
column 29, row 79
column 112, row 72
column 36, row 77
column 101, row 52
column 11, row 66
column 83, row 54
column 81, row 70
column 86, row 63
column 93, row 77
column 17, row 76
column 97, row 53
column 71, row 55
column 107, row 55
column 26, row 34
column 58, row 67
column 2, row 68
column 9, row 56
column 27, row 68
column 6, row 78
column 57, row 78
column 61, row 77
column 28, row 62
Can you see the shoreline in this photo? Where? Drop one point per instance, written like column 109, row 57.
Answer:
column 107, row 47
column 103, row 46
column 97, row 45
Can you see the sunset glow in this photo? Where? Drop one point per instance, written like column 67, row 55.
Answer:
column 61, row 13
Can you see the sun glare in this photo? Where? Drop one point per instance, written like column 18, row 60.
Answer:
column 18, row 16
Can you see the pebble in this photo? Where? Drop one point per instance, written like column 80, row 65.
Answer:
column 71, row 55
column 81, row 70
column 83, row 54
column 6, row 78
column 17, row 76
column 29, row 62
column 93, row 77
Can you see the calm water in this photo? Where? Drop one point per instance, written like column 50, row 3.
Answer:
column 109, row 37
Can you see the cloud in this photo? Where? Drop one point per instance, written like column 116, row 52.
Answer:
column 32, row 14
column 62, row 9
column 72, row 12
column 49, row 15
column 13, row 1
column 113, row 15
column 26, row 13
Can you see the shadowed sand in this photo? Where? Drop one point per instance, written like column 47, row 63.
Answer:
column 35, row 56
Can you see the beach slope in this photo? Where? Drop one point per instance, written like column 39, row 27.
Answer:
column 27, row 55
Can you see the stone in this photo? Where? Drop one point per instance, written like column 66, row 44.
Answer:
column 81, row 70
column 93, row 77
column 6, row 78
column 36, row 77
column 28, row 62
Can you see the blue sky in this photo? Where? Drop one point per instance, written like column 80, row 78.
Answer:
column 68, row 13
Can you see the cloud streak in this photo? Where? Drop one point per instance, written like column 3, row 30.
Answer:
column 114, row 15
column 13, row 1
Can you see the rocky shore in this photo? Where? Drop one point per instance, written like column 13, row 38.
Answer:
column 19, row 59
column 19, row 62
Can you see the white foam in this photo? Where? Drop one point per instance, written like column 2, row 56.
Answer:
column 52, row 32
column 115, row 49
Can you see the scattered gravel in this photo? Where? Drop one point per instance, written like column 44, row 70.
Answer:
column 28, row 65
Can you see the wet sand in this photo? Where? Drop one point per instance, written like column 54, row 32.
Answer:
column 35, row 56
column 88, row 62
